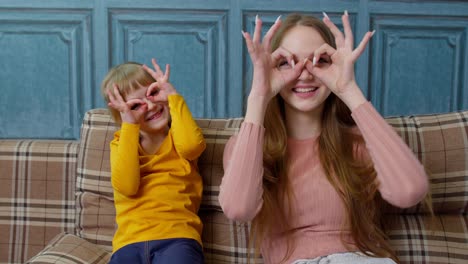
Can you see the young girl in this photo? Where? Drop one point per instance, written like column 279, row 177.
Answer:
column 157, row 187
column 313, row 158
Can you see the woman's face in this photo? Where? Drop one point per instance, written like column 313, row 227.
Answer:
column 307, row 94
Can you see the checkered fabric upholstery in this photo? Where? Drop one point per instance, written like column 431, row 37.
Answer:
column 440, row 141
column 37, row 195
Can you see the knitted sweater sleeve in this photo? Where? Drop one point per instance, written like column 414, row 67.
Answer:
column 188, row 137
column 402, row 179
column 125, row 163
column 241, row 190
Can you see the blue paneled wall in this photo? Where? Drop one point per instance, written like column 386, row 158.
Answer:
column 54, row 54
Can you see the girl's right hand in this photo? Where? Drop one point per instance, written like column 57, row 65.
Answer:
column 131, row 111
column 268, row 78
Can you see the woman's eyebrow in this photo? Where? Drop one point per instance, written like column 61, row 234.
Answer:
column 310, row 56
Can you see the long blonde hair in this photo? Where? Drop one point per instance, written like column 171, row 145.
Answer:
column 353, row 180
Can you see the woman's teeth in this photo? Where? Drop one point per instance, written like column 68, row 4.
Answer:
column 304, row 90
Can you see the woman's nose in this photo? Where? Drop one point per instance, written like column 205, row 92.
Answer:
column 306, row 75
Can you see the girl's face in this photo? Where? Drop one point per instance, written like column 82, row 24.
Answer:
column 308, row 93
column 156, row 118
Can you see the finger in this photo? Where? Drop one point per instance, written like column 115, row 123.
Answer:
column 258, row 30
column 348, row 33
column 282, row 53
column 117, row 94
column 110, row 95
column 271, row 32
column 289, row 76
column 156, row 66
column 362, row 46
column 297, row 70
column 339, row 39
column 168, row 71
column 159, row 98
column 315, row 71
column 149, row 70
column 142, row 109
column 154, row 87
column 325, row 49
column 115, row 99
column 249, row 43
column 308, row 65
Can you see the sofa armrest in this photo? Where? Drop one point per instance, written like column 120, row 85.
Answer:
column 37, row 191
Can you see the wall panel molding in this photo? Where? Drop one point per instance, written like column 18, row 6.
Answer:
column 133, row 29
column 56, row 53
column 419, row 58
column 48, row 53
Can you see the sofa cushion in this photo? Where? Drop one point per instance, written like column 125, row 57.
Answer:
column 440, row 141
column 68, row 248
column 36, row 195
column 419, row 238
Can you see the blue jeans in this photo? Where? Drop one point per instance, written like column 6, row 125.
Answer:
column 164, row 251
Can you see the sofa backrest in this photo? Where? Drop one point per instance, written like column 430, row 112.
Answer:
column 440, row 141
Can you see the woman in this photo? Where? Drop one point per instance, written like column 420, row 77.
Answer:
column 313, row 159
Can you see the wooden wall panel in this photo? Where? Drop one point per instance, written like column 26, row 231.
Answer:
column 44, row 73
column 54, row 54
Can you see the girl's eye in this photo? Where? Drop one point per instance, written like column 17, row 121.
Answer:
column 135, row 107
column 154, row 92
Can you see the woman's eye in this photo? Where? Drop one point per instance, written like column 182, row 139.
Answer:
column 324, row 60
column 283, row 64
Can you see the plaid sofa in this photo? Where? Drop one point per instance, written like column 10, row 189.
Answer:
column 56, row 198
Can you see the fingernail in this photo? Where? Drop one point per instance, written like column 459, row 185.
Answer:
column 278, row 19
column 314, row 61
column 346, row 12
column 293, row 63
column 372, row 33
column 256, row 18
column 325, row 15
column 305, row 61
column 243, row 33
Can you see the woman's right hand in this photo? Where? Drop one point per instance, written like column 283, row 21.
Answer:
column 268, row 79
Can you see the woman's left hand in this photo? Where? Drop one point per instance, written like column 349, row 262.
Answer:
column 338, row 73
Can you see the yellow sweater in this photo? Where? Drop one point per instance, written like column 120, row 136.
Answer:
column 158, row 196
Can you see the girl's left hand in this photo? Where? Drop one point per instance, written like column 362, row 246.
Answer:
column 162, row 88
column 338, row 73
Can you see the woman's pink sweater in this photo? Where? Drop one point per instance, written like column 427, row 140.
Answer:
column 317, row 214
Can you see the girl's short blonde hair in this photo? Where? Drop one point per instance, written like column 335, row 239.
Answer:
column 128, row 77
